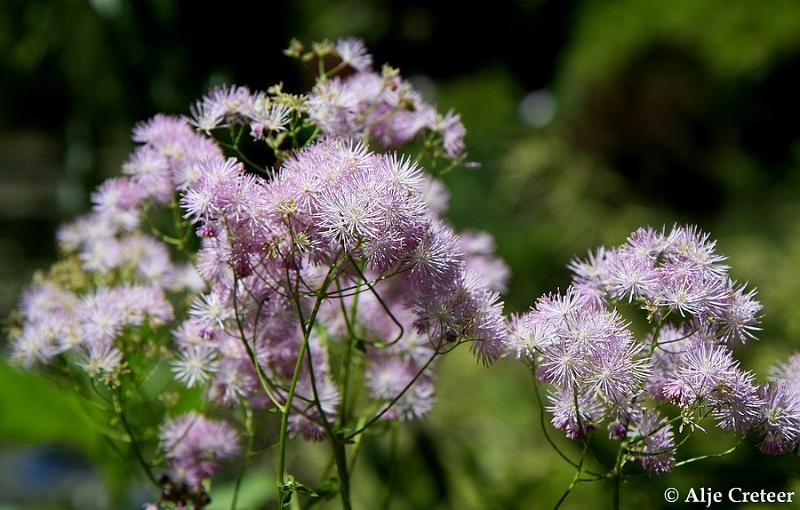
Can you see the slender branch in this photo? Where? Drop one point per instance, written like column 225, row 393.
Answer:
column 575, row 480
column 262, row 377
column 351, row 337
column 656, row 332
column 235, row 147
column 336, row 441
column 684, row 337
column 543, row 424
column 380, row 301
column 616, row 477
column 248, row 454
column 284, row 427
column 134, row 444
column 357, row 444
column 710, row 456
column 340, row 292
column 388, row 406
column 387, row 503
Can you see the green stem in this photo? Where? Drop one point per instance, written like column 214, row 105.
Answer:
column 381, row 302
column 134, row 444
column 543, row 425
column 248, row 453
column 656, row 332
column 574, row 482
column 312, row 136
column 351, row 338
column 357, row 444
column 710, row 456
column 284, row 430
column 387, row 503
column 284, row 427
column 616, row 477
column 262, row 377
column 388, row 406
column 337, row 441
column 341, row 468
column 182, row 230
column 235, row 147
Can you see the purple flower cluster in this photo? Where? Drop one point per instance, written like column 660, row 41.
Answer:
column 90, row 326
column 384, row 106
column 195, row 445
column 601, row 373
column 334, row 215
column 781, row 408
column 361, row 103
column 227, row 106
column 278, row 279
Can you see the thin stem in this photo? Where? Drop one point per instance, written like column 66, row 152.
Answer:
column 284, row 427
column 134, row 444
column 108, row 432
column 284, row 430
column 294, row 504
column 341, row 467
column 357, row 444
column 543, row 425
column 584, row 437
column 616, row 477
column 178, row 243
column 684, row 337
column 667, row 424
column 262, row 377
column 395, row 399
column 575, row 480
column 235, row 147
column 656, row 332
column 542, row 421
column 351, row 338
column 337, row 442
column 312, row 136
column 335, row 70
column 387, row 503
column 357, row 288
column 182, row 230
column 384, row 306
column 710, row 456
column 265, row 447
column 248, row 453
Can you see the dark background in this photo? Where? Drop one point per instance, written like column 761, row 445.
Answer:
column 589, row 119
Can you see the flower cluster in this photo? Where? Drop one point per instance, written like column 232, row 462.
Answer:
column 601, row 372
column 338, row 229
column 384, row 106
column 349, row 101
column 90, row 327
column 194, row 445
column 781, row 410
column 270, row 283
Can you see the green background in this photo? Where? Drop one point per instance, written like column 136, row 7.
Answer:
column 681, row 111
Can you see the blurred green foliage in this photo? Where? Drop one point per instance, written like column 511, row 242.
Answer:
column 736, row 40
column 667, row 112
column 35, row 410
